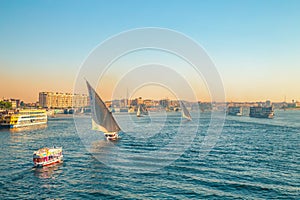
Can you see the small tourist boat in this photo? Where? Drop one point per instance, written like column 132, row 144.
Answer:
column 47, row 156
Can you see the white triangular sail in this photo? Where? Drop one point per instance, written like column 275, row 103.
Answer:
column 97, row 127
column 102, row 119
column 185, row 112
column 138, row 113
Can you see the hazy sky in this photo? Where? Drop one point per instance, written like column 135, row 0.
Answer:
column 255, row 45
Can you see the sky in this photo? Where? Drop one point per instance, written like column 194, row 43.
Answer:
column 255, row 45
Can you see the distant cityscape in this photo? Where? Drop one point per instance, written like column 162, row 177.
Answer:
column 59, row 100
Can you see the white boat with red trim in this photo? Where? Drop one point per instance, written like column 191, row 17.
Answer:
column 47, row 156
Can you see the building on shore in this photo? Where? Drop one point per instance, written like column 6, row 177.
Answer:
column 62, row 100
column 15, row 103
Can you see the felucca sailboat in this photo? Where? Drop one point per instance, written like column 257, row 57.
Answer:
column 102, row 118
column 138, row 113
column 141, row 111
column 185, row 112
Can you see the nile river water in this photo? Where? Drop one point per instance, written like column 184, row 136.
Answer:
column 251, row 159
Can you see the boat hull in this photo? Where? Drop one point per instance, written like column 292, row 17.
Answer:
column 12, row 126
column 47, row 156
column 48, row 163
column 261, row 112
column 111, row 136
column 270, row 116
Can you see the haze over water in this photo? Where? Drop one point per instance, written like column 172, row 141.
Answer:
column 253, row 159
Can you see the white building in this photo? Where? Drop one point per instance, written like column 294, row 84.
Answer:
column 62, row 100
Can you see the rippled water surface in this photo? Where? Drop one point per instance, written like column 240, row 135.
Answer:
column 252, row 159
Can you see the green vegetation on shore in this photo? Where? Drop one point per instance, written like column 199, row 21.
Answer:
column 5, row 105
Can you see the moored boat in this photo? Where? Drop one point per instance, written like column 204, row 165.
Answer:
column 28, row 118
column 5, row 121
column 235, row 110
column 47, row 156
column 262, row 112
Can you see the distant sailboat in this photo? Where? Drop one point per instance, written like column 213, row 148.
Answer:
column 185, row 112
column 102, row 118
column 139, row 113
column 145, row 111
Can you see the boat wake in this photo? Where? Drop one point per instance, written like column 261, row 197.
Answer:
column 18, row 175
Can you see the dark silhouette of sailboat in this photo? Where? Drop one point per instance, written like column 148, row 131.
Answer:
column 185, row 112
column 141, row 111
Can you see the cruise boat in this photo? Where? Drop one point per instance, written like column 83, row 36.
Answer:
column 5, row 121
column 261, row 112
column 28, row 118
column 47, row 156
column 235, row 110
